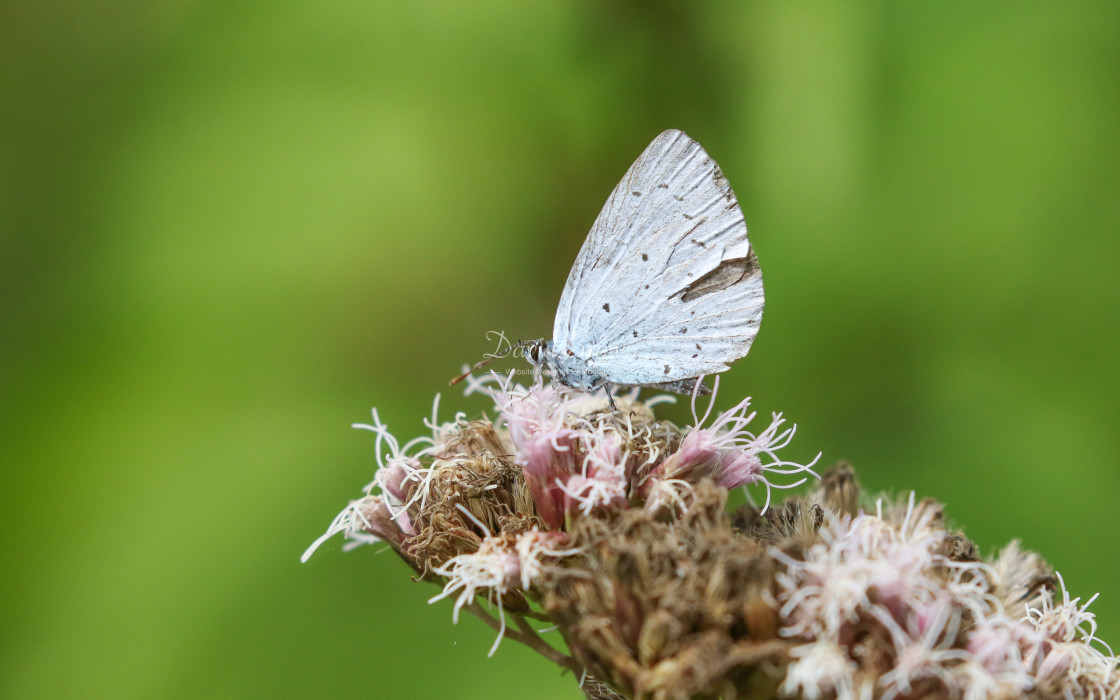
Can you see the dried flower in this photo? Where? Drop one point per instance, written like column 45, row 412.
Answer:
column 613, row 527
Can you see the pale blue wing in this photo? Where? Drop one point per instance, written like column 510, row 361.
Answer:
column 666, row 286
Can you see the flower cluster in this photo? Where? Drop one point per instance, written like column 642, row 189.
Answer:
column 893, row 589
column 612, row 526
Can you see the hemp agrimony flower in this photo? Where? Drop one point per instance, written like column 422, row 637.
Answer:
column 612, row 526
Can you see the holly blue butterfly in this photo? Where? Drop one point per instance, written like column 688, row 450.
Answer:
column 666, row 288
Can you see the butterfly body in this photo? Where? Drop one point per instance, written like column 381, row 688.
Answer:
column 576, row 372
column 573, row 370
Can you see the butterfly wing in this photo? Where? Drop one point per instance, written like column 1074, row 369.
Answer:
column 666, row 286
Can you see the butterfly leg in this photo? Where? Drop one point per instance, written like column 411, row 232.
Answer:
column 610, row 398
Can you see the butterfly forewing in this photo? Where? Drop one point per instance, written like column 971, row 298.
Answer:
column 666, row 286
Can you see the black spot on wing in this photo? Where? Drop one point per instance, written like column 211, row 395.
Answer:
column 607, row 308
column 644, row 257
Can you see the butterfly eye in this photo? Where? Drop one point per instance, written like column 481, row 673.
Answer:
column 535, row 353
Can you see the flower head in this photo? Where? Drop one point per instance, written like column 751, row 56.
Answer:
column 612, row 526
column 365, row 521
column 730, row 454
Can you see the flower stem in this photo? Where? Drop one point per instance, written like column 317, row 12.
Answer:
column 527, row 636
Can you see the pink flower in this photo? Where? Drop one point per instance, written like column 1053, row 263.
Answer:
column 923, row 646
column 398, row 473
column 501, row 564
column 365, row 521
column 819, row 670
column 545, row 445
column 534, row 547
column 996, row 643
column 601, row 481
column 548, row 460
column 730, row 454
column 1062, row 656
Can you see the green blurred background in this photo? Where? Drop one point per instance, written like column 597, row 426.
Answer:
column 229, row 229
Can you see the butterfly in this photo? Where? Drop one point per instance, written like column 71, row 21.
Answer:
column 666, row 288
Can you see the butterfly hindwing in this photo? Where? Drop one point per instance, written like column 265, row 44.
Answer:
column 666, row 286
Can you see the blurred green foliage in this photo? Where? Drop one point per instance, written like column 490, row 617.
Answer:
column 228, row 229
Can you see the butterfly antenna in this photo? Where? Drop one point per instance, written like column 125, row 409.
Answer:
column 477, row 366
column 524, row 345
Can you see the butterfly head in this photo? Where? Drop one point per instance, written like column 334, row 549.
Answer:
column 534, row 351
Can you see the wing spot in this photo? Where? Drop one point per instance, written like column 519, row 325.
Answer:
column 647, row 286
column 695, row 356
column 607, row 308
column 636, row 193
column 666, row 369
column 699, row 243
column 635, row 334
column 678, row 198
column 688, row 216
column 698, row 347
column 644, row 257
column 684, row 330
column 662, row 186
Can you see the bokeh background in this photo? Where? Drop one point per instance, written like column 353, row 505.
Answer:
column 229, row 229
